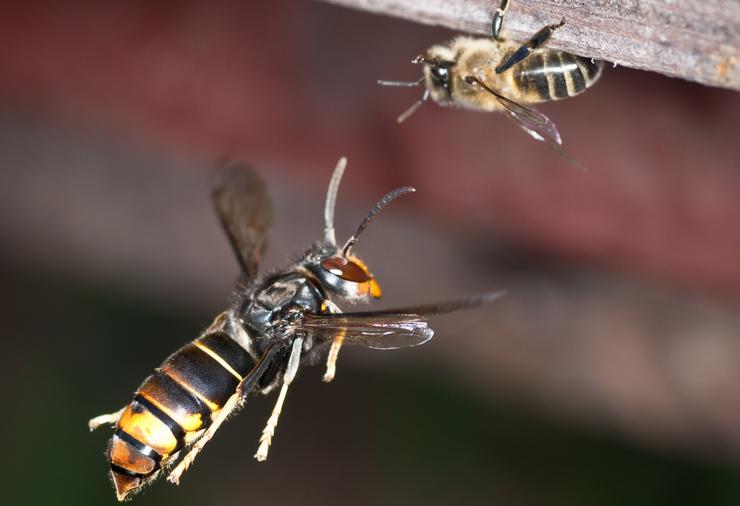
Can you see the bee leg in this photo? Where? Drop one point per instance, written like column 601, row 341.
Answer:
column 110, row 418
column 528, row 47
column 290, row 372
column 242, row 390
column 336, row 345
column 498, row 19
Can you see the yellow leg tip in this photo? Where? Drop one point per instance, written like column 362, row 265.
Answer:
column 261, row 454
column 174, row 478
column 96, row 422
column 331, row 371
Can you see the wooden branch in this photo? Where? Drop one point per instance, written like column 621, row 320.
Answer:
column 697, row 40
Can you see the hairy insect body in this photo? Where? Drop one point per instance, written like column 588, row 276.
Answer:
column 270, row 308
column 275, row 323
column 554, row 75
column 498, row 75
column 545, row 76
column 176, row 403
column 179, row 400
column 287, row 291
column 173, row 405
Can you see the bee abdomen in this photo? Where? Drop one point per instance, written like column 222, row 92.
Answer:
column 176, row 400
column 553, row 75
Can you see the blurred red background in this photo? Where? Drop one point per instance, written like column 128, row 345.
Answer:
column 294, row 86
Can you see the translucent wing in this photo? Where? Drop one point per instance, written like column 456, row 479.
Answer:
column 555, row 144
column 536, row 124
column 533, row 122
column 388, row 333
column 385, row 329
column 243, row 206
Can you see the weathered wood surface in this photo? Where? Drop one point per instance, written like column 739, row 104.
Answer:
column 694, row 40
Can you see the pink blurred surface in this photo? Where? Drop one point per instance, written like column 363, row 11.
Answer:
column 293, row 85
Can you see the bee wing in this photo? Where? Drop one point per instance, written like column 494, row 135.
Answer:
column 386, row 329
column 554, row 142
column 243, row 206
column 531, row 121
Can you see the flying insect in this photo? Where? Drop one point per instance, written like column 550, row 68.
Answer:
column 276, row 322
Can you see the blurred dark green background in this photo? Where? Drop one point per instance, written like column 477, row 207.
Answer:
column 419, row 434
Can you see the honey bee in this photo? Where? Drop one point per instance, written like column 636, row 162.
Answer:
column 276, row 322
column 492, row 74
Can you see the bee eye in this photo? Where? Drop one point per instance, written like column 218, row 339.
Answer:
column 441, row 74
column 345, row 269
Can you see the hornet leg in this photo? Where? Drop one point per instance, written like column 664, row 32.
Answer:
column 244, row 388
column 290, row 372
column 336, row 345
column 528, row 47
column 187, row 460
column 110, row 418
column 331, row 359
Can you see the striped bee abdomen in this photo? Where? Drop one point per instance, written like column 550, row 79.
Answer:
column 177, row 400
column 552, row 75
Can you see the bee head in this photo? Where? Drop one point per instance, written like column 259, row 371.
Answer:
column 336, row 268
column 438, row 64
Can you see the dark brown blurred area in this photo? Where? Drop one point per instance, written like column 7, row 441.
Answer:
column 613, row 363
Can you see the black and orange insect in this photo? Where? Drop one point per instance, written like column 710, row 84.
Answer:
column 276, row 321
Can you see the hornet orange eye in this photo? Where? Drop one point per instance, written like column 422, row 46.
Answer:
column 346, row 270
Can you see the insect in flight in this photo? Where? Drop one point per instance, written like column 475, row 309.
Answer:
column 276, row 322
column 494, row 74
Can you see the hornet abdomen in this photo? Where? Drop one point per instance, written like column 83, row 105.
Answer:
column 552, row 75
column 174, row 404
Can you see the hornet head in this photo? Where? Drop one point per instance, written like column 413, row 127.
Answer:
column 335, row 266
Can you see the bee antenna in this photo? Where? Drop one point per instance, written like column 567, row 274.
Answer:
column 331, row 200
column 405, row 84
column 375, row 210
column 411, row 110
